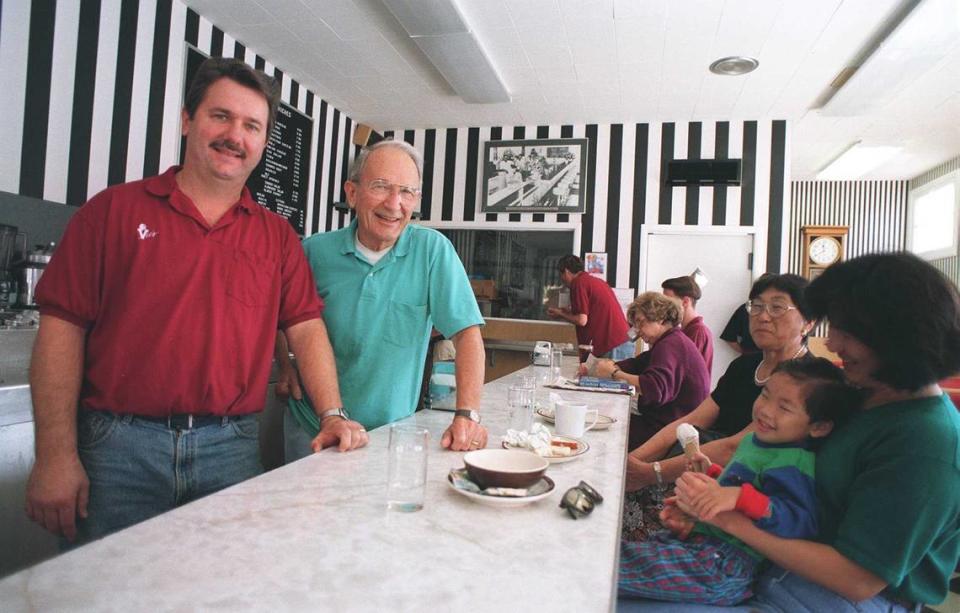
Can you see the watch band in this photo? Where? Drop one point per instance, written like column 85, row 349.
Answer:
column 338, row 412
column 656, row 471
column 470, row 414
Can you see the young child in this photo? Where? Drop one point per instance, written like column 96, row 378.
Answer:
column 769, row 479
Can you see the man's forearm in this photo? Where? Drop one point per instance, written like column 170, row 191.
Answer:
column 56, row 372
column 315, row 361
column 470, row 367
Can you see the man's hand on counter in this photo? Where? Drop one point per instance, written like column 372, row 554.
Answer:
column 464, row 435
column 57, row 492
column 345, row 433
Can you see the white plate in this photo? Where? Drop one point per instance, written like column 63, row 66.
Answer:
column 603, row 421
column 582, row 448
column 504, row 501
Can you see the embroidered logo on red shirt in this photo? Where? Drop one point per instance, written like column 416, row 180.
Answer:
column 144, row 232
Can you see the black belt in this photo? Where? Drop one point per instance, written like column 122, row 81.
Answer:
column 189, row 422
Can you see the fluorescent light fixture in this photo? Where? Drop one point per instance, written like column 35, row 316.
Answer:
column 927, row 34
column 856, row 161
column 438, row 28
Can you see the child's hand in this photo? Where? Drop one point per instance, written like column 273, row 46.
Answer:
column 675, row 520
column 581, row 370
column 704, row 497
column 699, row 463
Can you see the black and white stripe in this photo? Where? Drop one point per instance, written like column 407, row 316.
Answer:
column 874, row 211
column 623, row 184
column 92, row 95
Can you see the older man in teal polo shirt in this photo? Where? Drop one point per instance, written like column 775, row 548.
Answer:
column 385, row 285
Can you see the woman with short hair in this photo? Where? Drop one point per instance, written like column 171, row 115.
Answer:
column 671, row 379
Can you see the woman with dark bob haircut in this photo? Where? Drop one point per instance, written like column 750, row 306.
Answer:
column 888, row 481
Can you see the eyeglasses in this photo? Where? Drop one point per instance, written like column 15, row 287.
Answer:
column 382, row 189
column 773, row 309
column 580, row 500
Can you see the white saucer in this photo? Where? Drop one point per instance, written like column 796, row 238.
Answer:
column 506, row 501
column 582, row 448
column 603, row 421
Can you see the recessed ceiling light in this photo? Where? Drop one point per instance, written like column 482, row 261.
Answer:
column 734, row 65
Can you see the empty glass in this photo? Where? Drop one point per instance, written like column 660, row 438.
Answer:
column 556, row 363
column 520, row 405
column 407, row 467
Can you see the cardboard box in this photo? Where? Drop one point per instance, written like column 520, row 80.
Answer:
column 484, row 288
column 558, row 298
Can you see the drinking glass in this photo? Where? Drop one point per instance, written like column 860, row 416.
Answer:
column 407, row 467
column 520, row 405
column 556, row 363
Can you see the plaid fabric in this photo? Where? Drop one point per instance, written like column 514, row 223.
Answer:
column 701, row 569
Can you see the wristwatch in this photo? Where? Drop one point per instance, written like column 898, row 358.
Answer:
column 656, row 471
column 470, row 414
column 339, row 412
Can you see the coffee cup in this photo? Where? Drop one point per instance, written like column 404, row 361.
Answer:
column 570, row 418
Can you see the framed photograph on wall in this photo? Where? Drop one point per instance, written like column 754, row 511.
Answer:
column 595, row 264
column 534, row 176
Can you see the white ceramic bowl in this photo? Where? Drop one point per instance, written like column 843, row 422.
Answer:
column 505, row 467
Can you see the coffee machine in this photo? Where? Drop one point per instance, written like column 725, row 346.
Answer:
column 9, row 237
column 32, row 269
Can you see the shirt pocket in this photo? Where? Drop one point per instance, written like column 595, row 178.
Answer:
column 405, row 323
column 250, row 279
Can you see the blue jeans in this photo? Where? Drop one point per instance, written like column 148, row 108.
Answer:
column 778, row 591
column 296, row 440
column 622, row 352
column 140, row 468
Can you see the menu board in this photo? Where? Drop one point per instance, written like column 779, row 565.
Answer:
column 279, row 182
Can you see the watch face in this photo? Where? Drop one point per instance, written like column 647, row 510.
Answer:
column 824, row 250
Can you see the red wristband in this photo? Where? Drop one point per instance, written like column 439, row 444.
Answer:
column 714, row 470
column 752, row 503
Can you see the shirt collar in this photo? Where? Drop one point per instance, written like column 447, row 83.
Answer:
column 165, row 186
column 401, row 247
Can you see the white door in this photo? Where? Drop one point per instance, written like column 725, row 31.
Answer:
column 724, row 257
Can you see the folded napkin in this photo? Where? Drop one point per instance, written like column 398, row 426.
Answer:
column 461, row 481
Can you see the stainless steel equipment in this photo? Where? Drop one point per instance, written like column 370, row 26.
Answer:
column 31, row 271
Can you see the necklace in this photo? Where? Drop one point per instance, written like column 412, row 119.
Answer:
column 756, row 373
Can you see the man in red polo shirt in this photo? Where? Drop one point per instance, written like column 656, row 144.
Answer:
column 688, row 292
column 595, row 312
column 157, row 319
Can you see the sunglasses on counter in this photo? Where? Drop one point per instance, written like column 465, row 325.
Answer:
column 580, row 500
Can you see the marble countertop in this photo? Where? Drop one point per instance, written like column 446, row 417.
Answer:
column 316, row 535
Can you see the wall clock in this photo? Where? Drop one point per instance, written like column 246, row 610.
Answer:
column 822, row 246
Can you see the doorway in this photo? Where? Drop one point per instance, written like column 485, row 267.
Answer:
column 725, row 255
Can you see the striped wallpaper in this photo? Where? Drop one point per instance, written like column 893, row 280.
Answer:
column 92, row 93
column 875, row 212
column 950, row 266
column 626, row 164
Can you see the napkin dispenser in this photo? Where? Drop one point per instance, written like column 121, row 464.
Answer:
column 541, row 353
column 443, row 386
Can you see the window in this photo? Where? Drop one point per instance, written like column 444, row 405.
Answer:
column 521, row 264
column 933, row 217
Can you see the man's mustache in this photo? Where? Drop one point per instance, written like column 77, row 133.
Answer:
column 230, row 146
